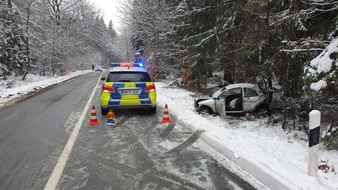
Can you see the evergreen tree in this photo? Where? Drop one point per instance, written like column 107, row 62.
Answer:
column 199, row 33
column 111, row 30
column 149, row 23
column 12, row 55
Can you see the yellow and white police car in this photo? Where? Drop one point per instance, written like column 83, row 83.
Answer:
column 127, row 85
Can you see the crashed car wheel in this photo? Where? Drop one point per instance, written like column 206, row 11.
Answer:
column 262, row 111
column 205, row 110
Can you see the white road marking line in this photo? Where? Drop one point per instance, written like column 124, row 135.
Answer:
column 60, row 166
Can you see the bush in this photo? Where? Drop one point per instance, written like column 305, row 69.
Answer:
column 330, row 137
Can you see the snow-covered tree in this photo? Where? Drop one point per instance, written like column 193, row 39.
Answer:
column 254, row 41
column 321, row 83
column 197, row 26
column 150, row 26
column 124, row 44
column 12, row 42
column 322, row 73
column 60, row 33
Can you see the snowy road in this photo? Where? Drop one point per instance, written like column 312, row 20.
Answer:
column 33, row 134
column 139, row 153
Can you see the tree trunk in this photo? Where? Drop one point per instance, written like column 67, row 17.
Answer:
column 28, row 59
column 285, row 95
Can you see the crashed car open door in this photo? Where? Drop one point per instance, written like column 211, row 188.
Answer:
column 220, row 103
column 229, row 102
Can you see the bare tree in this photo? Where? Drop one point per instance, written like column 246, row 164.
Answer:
column 26, row 40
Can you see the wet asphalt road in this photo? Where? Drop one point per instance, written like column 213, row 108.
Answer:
column 133, row 155
column 139, row 153
column 33, row 132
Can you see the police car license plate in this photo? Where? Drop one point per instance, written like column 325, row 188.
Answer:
column 129, row 92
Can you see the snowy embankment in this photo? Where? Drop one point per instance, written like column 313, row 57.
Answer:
column 14, row 88
column 281, row 154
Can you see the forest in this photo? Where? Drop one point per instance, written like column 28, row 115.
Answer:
column 52, row 37
column 269, row 42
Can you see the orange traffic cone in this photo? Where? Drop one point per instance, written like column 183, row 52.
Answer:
column 166, row 118
column 93, row 119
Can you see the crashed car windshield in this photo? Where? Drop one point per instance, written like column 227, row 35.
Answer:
column 218, row 92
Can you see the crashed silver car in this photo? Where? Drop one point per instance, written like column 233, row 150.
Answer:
column 234, row 98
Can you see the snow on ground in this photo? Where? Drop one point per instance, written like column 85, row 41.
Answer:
column 281, row 154
column 14, row 87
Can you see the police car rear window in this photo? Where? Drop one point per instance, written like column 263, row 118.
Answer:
column 128, row 77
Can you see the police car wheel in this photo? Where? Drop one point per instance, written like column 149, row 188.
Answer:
column 104, row 111
column 152, row 110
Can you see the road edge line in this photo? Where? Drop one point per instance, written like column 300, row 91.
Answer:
column 60, row 165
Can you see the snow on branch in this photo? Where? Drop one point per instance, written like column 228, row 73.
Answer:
column 323, row 70
column 301, row 50
column 200, row 35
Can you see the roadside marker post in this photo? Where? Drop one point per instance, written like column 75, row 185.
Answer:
column 314, row 126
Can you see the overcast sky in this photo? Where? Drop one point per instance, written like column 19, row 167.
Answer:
column 109, row 9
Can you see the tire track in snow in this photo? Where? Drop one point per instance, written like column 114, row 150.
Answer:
column 219, row 174
column 185, row 144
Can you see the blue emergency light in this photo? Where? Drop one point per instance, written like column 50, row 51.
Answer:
column 140, row 64
column 114, row 64
column 126, row 64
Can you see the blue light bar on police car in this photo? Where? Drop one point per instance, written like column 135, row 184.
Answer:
column 126, row 64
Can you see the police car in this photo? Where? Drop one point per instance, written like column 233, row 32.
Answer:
column 127, row 85
column 98, row 67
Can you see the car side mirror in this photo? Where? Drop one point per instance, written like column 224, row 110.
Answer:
column 215, row 98
column 103, row 78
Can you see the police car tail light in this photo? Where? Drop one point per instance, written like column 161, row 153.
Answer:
column 150, row 88
column 108, row 89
